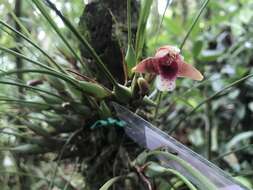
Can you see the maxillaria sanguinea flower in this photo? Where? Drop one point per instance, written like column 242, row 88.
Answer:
column 167, row 65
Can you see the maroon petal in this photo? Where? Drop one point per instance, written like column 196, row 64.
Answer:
column 188, row 71
column 149, row 65
column 167, row 50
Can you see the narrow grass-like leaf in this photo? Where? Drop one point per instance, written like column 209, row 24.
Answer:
column 130, row 57
column 110, row 182
column 30, row 88
column 47, row 72
column 26, row 149
column 33, row 44
column 40, row 141
column 94, row 89
column 89, row 88
column 160, row 23
column 122, row 93
column 60, row 154
column 84, row 42
column 51, row 99
column 7, row 50
column 154, row 170
column 7, row 31
column 38, row 105
column 17, row 19
column 194, row 172
column 129, row 20
column 232, row 152
column 104, row 111
column 53, row 72
column 17, row 173
column 237, row 139
column 140, row 36
column 45, row 13
column 37, row 129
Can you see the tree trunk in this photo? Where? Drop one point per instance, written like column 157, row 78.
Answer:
column 104, row 25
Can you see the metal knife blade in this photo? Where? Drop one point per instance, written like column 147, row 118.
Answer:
column 150, row 137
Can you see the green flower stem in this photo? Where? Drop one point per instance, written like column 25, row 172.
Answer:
column 194, row 172
column 34, row 44
column 194, row 23
column 158, row 104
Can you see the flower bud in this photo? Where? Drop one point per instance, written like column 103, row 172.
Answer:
column 143, row 86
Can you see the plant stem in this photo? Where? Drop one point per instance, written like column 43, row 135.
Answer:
column 194, row 23
column 208, row 127
column 158, row 104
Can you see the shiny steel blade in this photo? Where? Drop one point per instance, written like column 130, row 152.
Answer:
column 150, row 137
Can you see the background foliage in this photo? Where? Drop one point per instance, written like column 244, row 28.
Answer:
column 213, row 117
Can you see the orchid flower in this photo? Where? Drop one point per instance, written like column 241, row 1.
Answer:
column 167, row 65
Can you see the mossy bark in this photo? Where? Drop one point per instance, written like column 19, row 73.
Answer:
column 104, row 24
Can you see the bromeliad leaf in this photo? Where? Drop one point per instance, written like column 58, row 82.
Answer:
column 94, row 89
column 130, row 59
